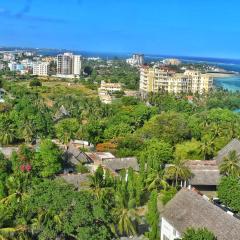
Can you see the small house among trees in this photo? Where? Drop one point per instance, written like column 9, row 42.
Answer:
column 189, row 209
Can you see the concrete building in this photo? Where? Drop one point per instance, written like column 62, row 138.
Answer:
column 41, row 68
column 171, row 61
column 77, row 65
column 161, row 79
column 27, row 63
column 8, row 56
column 106, row 90
column 68, row 65
column 136, row 60
column 12, row 66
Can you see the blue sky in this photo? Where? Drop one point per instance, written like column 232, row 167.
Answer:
column 176, row 27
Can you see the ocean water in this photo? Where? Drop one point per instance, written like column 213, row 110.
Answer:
column 229, row 83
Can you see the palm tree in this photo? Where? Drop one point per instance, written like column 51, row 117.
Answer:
column 216, row 130
column 43, row 218
column 27, row 132
column 231, row 165
column 125, row 217
column 7, row 130
column 207, row 148
column 100, row 182
column 156, row 180
column 178, row 171
column 7, row 136
column 9, row 233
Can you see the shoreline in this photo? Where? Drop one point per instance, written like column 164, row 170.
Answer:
column 223, row 75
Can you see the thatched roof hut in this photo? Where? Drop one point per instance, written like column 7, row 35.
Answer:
column 234, row 145
column 190, row 209
column 118, row 164
column 204, row 173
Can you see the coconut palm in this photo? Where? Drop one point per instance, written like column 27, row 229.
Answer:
column 10, row 233
column 231, row 164
column 207, row 148
column 156, row 180
column 125, row 217
column 7, row 130
column 178, row 171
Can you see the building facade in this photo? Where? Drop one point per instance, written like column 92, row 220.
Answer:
column 41, row 69
column 164, row 80
column 68, row 64
column 136, row 60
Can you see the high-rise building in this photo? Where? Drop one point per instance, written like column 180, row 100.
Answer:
column 68, row 64
column 41, row 68
column 77, row 65
column 164, row 80
column 136, row 60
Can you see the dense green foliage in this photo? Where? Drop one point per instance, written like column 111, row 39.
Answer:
column 153, row 217
column 198, row 234
column 162, row 129
column 229, row 192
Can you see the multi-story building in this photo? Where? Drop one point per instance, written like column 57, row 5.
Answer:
column 136, row 60
column 12, row 66
column 68, row 65
column 171, row 61
column 8, row 56
column 165, row 80
column 107, row 89
column 41, row 68
column 77, row 65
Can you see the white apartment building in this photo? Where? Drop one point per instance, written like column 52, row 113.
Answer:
column 171, row 61
column 77, row 65
column 164, row 80
column 12, row 66
column 136, row 60
column 41, row 68
column 68, row 65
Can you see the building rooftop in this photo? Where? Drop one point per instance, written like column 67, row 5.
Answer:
column 99, row 156
column 234, row 145
column 118, row 164
column 80, row 181
column 61, row 113
column 205, row 173
column 190, row 209
column 7, row 151
column 74, row 156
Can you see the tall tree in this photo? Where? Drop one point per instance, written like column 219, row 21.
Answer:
column 153, row 217
column 48, row 159
column 231, row 165
column 178, row 171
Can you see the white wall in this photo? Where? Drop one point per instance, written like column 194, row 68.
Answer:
column 168, row 231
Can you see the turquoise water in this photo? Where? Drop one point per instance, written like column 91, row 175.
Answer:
column 229, row 83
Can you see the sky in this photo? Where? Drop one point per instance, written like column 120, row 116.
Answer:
column 208, row 28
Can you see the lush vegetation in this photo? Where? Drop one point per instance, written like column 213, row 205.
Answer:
column 198, row 234
column 163, row 129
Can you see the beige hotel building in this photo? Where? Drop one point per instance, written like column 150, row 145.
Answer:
column 162, row 79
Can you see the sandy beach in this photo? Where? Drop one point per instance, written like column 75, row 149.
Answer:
column 223, row 75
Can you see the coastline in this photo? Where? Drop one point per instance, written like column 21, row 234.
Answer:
column 223, row 75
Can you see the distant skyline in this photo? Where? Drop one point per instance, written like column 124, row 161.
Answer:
column 206, row 28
